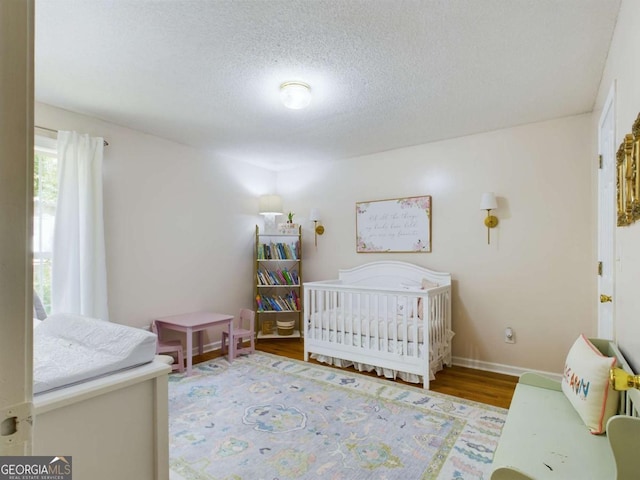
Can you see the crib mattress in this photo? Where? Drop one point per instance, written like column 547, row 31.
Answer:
column 351, row 323
column 69, row 349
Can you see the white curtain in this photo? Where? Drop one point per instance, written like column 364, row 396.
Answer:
column 79, row 273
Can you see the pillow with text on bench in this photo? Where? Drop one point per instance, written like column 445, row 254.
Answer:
column 585, row 382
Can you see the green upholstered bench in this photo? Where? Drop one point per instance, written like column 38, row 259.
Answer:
column 545, row 438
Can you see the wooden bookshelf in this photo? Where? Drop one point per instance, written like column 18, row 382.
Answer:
column 278, row 284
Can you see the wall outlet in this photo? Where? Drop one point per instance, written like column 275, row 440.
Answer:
column 509, row 335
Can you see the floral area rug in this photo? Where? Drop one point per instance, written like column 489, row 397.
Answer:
column 265, row 417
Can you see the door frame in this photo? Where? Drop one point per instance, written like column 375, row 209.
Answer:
column 606, row 225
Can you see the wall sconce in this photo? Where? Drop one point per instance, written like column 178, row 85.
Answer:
column 488, row 202
column 621, row 380
column 314, row 216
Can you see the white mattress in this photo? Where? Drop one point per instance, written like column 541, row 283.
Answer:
column 68, row 349
column 333, row 320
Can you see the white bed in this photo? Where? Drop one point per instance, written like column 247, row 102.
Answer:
column 101, row 397
column 391, row 317
column 69, row 349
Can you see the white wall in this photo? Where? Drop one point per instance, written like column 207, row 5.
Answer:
column 179, row 223
column 537, row 276
column 179, row 229
column 623, row 67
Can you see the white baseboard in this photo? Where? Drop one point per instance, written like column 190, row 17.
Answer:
column 206, row 348
column 500, row 368
column 458, row 361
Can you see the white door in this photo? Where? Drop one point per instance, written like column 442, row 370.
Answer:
column 606, row 218
column 16, row 181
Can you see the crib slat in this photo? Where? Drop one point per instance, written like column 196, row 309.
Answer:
column 339, row 307
column 427, row 338
column 330, row 305
column 436, row 327
column 385, row 328
column 405, row 332
column 369, row 303
column 376, row 316
column 307, row 321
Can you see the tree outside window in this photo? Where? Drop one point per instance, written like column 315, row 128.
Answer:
column 45, row 189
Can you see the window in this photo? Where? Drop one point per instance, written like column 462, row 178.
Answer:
column 45, row 193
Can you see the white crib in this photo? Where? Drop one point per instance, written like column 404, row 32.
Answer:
column 379, row 317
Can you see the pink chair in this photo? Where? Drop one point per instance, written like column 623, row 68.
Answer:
column 242, row 330
column 170, row 346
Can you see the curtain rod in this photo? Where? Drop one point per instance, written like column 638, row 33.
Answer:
column 106, row 144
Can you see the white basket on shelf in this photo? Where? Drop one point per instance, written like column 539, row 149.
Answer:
column 285, row 327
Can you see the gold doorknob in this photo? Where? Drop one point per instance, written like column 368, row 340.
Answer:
column 605, row 298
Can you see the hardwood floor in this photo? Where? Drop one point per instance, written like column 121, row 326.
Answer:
column 477, row 385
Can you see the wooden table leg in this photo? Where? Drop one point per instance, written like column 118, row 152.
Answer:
column 200, row 342
column 232, row 346
column 189, row 350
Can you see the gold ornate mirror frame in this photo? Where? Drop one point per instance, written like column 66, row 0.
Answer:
column 628, row 179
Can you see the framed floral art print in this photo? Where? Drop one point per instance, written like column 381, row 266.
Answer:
column 401, row 225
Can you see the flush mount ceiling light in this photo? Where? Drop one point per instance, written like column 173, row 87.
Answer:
column 295, row 95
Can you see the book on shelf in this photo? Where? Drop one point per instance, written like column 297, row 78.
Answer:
column 278, row 251
column 259, row 303
column 281, row 303
column 274, row 304
column 295, row 300
column 261, row 278
column 278, row 303
column 279, row 276
column 287, row 276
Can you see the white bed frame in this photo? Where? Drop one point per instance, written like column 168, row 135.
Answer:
column 115, row 426
column 380, row 288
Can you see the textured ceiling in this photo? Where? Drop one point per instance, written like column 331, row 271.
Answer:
column 384, row 73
